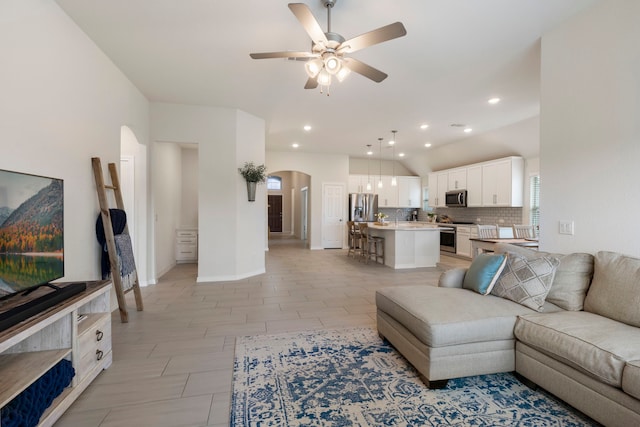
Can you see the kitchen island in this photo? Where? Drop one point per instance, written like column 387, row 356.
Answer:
column 409, row 244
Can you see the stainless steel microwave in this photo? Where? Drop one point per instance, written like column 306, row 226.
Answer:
column 456, row 199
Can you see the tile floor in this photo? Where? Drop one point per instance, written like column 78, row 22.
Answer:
column 173, row 362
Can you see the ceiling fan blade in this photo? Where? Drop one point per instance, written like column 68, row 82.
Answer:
column 382, row 34
column 309, row 22
column 312, row 83
column 267, row 55
column 365, row 70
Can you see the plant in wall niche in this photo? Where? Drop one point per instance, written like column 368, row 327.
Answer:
column 253, row 175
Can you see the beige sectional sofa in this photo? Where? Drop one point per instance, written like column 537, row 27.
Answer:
column 583, row 345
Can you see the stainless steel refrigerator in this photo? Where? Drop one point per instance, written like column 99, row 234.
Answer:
column 363, row 207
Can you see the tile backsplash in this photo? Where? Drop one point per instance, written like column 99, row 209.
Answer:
column 501, row 216
column 403, row 215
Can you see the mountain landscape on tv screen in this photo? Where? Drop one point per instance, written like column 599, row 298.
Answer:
column 4, row 214
column 36, row 225
column 32, row 241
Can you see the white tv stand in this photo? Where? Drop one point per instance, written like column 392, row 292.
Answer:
column 77, row 329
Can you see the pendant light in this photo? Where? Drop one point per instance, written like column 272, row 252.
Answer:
column 394, row 181
column 380, row 170
column 369, row 152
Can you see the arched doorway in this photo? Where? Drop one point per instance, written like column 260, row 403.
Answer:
column 133, row 180
column 287, row 206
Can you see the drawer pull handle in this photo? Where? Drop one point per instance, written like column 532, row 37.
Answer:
column 99, row 354
column 99, row 335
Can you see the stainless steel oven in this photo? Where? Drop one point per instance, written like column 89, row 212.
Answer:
column 448, row 240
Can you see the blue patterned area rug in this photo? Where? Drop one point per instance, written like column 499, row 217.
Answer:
column 351, row 377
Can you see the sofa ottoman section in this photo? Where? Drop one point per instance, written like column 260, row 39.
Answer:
column 449, row 332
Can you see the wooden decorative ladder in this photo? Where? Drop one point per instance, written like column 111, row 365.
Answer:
column 110, row 238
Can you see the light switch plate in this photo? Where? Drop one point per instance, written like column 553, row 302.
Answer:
column 566, row 227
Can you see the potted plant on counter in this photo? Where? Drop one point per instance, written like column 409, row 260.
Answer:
column 253, row 175
column 381, row 218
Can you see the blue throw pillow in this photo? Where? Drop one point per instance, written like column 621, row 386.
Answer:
column 483, row 272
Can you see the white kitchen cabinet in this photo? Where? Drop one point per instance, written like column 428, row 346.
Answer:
column 409, row 190
column 495, row 183
column 502, row 182
column 463, row 244
column 388, row 194
column 354, row 184
column 186, row 246
column 438, row 187
column 474, row 186
column 457, row 179
column 358, row 184
column 433, row 189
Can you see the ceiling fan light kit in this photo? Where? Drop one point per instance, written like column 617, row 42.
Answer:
column 327, row 57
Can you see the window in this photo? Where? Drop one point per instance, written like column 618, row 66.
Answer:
column 534, row 191
column 274, row 183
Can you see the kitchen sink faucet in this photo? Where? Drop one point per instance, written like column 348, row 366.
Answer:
column 398, row 212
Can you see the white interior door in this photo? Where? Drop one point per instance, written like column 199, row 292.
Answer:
column 332, row 215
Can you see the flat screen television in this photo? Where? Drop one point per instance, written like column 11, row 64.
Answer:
column 31, row 231
column 31, row 246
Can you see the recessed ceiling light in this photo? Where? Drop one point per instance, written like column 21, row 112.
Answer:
column 391, row 142
column 467, row 130
column 295, row 145
column 493, row 101
column 423, row 127
column 369, row 153
column 307, row 128
column 401, row 155
column 428, row 144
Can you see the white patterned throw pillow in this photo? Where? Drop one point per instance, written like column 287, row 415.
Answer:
column 526, row 281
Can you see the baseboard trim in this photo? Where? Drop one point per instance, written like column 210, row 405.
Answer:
column 229, row 278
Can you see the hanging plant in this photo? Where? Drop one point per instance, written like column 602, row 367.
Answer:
column 253, row 173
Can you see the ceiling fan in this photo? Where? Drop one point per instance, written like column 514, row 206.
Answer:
column 327, row 57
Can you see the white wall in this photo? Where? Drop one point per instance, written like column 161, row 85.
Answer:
column 251, row 220
column 189, row 186
column 323, row 168
column 590, row 130
column 373, row 166
column 518, row 139
column 63, row 102
column 531, row 168
column 167, row 188
column 231, row 230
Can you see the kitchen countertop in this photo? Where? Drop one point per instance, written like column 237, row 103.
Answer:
column 409, row 226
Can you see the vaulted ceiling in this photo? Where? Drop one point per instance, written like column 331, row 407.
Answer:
column 457, row 54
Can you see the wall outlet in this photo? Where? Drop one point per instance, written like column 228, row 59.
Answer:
column 501, row 221
column 566, row 227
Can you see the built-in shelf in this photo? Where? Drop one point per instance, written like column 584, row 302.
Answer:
column 20, row 370
column 77, row 329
